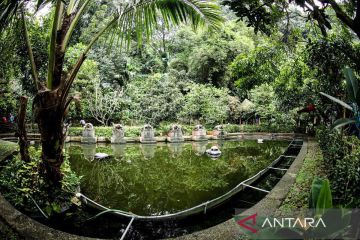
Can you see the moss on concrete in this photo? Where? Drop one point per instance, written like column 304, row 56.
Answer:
column 6, row 149
column 298, row 195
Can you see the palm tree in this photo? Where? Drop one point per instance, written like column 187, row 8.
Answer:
column 353, row 92
column 132, row 17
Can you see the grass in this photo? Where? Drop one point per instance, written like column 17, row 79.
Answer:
column 298, row 196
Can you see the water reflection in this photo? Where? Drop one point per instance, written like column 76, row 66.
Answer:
column 89, row 151
column 175, row 148
column 118, row 150
column 164, row 178
column 199, row 147
column 148, row 150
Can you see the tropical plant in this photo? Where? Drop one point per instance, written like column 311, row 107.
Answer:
column 353, row 92
column 130, row 18
column 320, row 196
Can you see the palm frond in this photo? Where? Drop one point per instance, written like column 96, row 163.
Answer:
column 139, row 17
column 342, row 122
column 344, row 104
column 55, row 27
column 9, row 9
column 351, row 84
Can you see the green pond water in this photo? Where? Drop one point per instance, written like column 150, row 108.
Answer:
column 153, row 179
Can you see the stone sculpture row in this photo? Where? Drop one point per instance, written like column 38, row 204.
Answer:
column 148, row 134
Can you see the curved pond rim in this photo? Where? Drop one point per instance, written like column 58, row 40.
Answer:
column 203, row 207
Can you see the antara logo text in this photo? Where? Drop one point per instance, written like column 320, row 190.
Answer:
column 249, row 223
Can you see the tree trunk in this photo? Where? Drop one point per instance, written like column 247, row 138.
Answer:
column 49, row 115
column 21, row 130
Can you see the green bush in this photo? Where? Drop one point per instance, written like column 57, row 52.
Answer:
column 233, row 128
column 332, row 146
column 346, row 174
column 342, row 158
column 23, row 185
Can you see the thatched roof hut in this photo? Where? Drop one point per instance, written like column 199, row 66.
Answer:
column 247, row 106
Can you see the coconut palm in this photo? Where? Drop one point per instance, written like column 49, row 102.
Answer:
column 131, row 18
column 353, row 92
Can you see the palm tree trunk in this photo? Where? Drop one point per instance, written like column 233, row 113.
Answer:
column 49, row 116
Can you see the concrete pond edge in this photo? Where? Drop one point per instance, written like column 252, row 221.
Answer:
column 267, row 206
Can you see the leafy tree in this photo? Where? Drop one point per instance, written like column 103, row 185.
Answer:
column 263, row 97
column 234, row 109
column 206, row 104
column 131, row 17
column 104, row 104
column 296, row 85
column 208, row 61
column 328, row 56
column 266, row 105
column 261, row 65
column 155, row 98
column 264, row 15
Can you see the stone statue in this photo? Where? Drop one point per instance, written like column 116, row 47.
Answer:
column 118, row 134
column 199, row 133
column 175, row 134
column 88, row 135
column 147, row 134
column 219, row 132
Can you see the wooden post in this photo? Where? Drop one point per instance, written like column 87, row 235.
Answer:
column 21, row 130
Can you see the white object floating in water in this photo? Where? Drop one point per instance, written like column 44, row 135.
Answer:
column 214, row 151
column 101, row 155
column 260, row 140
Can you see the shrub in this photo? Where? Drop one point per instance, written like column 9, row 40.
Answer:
column 346, row 174
column 331, row 144
column 232, row 128
column 23, row 185
column 342, row 158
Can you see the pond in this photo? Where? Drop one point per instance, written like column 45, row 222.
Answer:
column 156, row 179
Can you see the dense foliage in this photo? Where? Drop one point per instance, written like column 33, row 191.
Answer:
column 342, row 158
column 23, row 185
